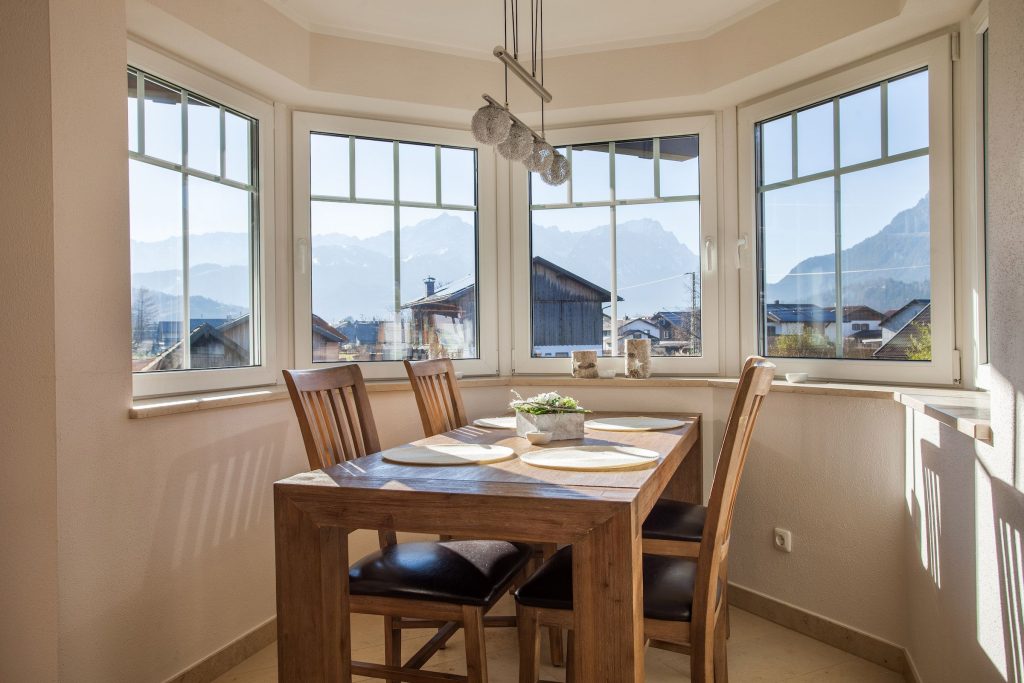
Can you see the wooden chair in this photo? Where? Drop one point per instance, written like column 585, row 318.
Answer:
column 441, row 409
column 683, row 597
column 435, row 585
column 675, row 528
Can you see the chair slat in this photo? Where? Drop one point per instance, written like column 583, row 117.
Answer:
column 437, row 395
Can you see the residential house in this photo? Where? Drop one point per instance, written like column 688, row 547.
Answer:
column 915, row 333
column 894, row 321
column 442, row 319
column 567, row 310
column 797, row 319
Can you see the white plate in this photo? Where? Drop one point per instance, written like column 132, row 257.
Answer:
column 590, row 458
column 633, row 424
column 448, row 454
column 496, row 422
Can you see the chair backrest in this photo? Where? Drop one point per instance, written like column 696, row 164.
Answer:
column 755, row 383
column 334, row 414
column 437, row 395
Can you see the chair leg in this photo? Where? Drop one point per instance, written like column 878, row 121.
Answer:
column 556, row 645
column 702, row 663
column 392, row 645
column 720, row 661
column 570, row 663
column 476, row 649
column 529, row 644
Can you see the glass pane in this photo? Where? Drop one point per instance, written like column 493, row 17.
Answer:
column 417, row 173
column 237, row 148
column 353, row 282
column 887, row 262
column 438, row 276
column 156, row 267
column 328, row 165
column 458, row 176
column 591, row 174
column 542, row 193
column 814, row 141
column 375, row 169
column 680, row 168
column 203, row 136
column 657, row 247
column 798, row 276
column 634, row 169
column 860, row 127
column 777, row 150
column 908, row 113
column 571, row 281
column 220, row 294
column 163, row 122
column 133, row 112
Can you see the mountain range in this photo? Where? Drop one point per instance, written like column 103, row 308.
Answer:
column 354, row 277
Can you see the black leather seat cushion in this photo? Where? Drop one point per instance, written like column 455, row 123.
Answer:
column 668, row 586
column 671, row 520
column 461, row 572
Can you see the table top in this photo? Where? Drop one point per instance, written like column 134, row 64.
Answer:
column 373, row 471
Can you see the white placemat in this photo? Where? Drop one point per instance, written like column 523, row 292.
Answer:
column 633, row 424
column 448, row 454
column 496, row 422
column 590, row 458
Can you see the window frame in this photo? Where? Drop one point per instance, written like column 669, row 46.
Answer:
column 262, row 244
column 933, row 54
column 306, row 123
column 704, row 126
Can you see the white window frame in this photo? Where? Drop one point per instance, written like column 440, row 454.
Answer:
column 708, row 362
column 305, row 123
column 172, row 382
column 943, row 368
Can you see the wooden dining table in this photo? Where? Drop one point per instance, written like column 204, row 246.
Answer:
column 600, row 513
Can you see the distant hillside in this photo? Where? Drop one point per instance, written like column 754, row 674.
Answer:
column 883, row 271
column 168, row 306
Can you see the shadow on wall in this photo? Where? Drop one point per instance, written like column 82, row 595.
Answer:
column 966, row 584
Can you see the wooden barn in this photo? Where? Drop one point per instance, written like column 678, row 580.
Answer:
column 567, row 310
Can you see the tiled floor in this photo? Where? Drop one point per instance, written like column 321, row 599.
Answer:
column 759, row 651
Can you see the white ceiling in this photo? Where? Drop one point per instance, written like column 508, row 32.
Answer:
column 474, row 27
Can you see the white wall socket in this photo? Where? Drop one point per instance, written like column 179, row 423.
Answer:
column 783, row 540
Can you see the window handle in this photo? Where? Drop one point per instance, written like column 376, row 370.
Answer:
column 740, row 243
column 302, row 254
column 709, row 247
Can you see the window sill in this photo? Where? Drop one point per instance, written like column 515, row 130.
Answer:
column 968, row 412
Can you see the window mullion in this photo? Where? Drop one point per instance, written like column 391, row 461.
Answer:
column 838, row 220
column 613, row 211
column 657, row 168
column 568, row 156
column 437, row 174
column 884, row 118
column 186, row 326
column 140, row 93
column 399, row 342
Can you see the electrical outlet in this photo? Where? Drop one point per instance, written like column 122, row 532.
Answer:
column 783, row 540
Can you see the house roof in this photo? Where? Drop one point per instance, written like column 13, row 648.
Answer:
column 874, row 334
column 452, row 290
column 799, row 313
column 920, row 304
column 858, row 312
column 544, row 263
column 897, row 347
column 361, row 331
column 328, row 331
column 203, row 333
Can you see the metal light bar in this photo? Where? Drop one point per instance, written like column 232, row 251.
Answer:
column 491, row 100
column 525, row 76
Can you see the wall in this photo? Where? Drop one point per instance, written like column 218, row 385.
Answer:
column 28, row 466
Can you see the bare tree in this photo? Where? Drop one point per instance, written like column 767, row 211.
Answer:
column 143, row 316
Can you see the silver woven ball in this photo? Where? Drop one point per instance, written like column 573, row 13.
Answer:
column 540, row 157
column 519, row 143
column 491, row 124
column 558, row 172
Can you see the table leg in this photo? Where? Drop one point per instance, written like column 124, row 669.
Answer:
column 313, row 640
column 608, row 621
column 687, row 484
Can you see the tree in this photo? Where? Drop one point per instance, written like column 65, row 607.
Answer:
column 807, row 344
column 143, row 316
column 920, row 347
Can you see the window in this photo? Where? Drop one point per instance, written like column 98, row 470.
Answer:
column 393, row 226
column 844, row 221
column 197, row 275
column 850, row 185
column 623, row 249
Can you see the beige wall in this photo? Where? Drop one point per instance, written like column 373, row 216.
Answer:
column 28, row 466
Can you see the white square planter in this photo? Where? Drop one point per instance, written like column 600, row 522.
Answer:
column 563, row 426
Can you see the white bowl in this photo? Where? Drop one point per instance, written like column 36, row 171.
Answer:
column 459, row 374
column 606, row 374
column 796, row 377
column 538, row 438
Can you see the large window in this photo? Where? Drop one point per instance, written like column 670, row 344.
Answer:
column 393, row 235
column 621, row 250
column 195, row 232
column 845, row 261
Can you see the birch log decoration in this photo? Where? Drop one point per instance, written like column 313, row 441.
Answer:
column 584, row 364
column 638, row 358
